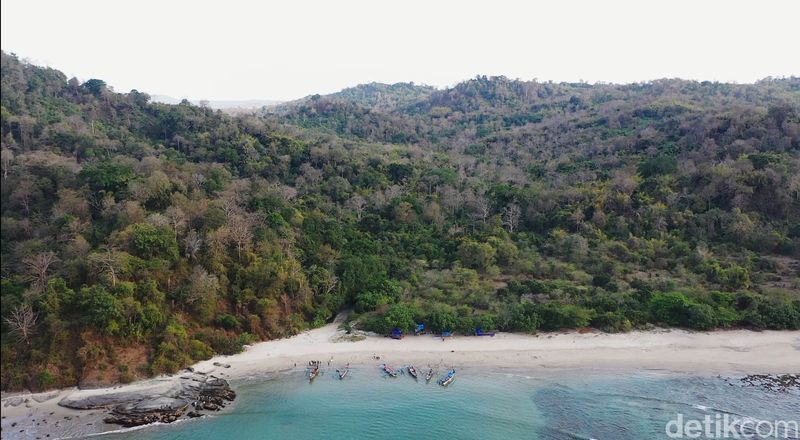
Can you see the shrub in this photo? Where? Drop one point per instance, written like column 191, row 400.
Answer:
column 400, row 316
column 669, row 308
column 370, row 301
column 442, row 318
column 556, row 316
column 475, row 255
column 46, row 379
column 779, row 315
column 700, row 316
column 152, row 242
column 612, row 322
column 101, row 308
column 199, row 350
column 524, row 318
column 227, row 321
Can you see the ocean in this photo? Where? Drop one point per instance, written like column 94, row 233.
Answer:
column 482, row 404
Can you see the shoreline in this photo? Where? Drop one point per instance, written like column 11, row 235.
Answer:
column 725, row 352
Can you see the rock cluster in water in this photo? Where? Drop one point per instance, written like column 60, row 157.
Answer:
column 779, row 383
column 165, row 403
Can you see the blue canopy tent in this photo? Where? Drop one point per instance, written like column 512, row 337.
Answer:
column 396, row 333
column 479, row 332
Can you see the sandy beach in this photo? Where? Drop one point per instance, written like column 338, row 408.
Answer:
column 733, row 352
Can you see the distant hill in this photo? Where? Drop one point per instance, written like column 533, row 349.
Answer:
column 380, row 96
column 376, row 96
column 247, row 104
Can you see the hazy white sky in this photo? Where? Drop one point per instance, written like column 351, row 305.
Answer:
column 236, row 49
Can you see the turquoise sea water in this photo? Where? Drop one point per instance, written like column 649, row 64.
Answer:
column 479, row 405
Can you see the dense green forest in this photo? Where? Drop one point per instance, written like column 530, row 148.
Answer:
column 139, row 237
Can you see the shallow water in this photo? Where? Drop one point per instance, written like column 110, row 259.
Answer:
column 478, row 405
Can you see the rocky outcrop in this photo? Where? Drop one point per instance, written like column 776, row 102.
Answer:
column 162, row 401
column 779, row 383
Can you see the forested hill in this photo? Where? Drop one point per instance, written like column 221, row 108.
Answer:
column 139, row 237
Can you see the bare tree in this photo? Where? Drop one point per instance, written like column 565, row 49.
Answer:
column 288, row 193
column 22, row 320
column 511, row 216
column 176, row 217
column 203, row 287
column 239, row 226
column 109, row 262
column 23, row 193
column 38, row 267
column 451, row 199
column 191, row 244
column 232, row 198
column 6, row 157
column 357, row 204
column 481, row 205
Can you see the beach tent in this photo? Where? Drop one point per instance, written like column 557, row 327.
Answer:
column 447, row 333
column 396, row 333
column 479, row 332
column 420, row 329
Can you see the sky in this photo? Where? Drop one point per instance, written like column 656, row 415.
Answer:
column 282, row 50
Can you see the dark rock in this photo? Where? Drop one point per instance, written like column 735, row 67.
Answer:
column 780, row 383
column 205, row 393
column 162, row 401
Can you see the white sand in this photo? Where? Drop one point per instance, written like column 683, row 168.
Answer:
column 721, row 352
column 734, row 352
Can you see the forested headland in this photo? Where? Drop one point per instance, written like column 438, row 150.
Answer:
column 138, row 237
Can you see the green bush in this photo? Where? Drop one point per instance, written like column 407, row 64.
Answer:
column 442, row 318
column 227, row 321
column 611, row 322
column 524, row 318
column 475, row 255
column 199, row 350
column 101, row 308
column 700, row 316
column 401, row 316
column 669, row 308
column 779, row 315
column 46, row 380
column 557, row 316
column 152, row 242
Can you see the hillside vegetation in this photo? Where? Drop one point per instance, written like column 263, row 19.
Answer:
column 140, row 237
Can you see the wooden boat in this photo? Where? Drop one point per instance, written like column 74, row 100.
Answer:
column 313, row 373
column 343, row 372
column 389, row 370
column 429, row 375
column 448, row 378
column 412, row 371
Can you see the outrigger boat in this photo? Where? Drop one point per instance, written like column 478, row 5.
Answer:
column 448, row 378
column 313, row 370
column 429, row 375
column 343, row 372
column 313, row 373
column 412, row 371
column 389, row 370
